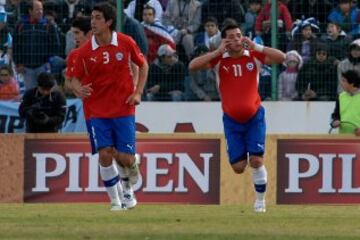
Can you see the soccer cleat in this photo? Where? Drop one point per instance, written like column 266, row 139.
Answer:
column 133, row 172
column 128, row 196
column 117, row 207
column 259, row 206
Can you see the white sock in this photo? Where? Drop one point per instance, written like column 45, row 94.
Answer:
column 123, row 173
column 110, row 177
column 260, row 181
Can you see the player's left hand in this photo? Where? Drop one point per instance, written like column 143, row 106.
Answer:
column 247, row 43
column 134, row 99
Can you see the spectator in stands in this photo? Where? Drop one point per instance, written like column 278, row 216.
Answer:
column 166, row 76
column 35, row 41
column 250, row 17
column 211, row 29
column 185, row 16
column 80, row 11
column 352, row 62
column 135, row 29
column 43, row 107
column 347, row 107
column 6, row 40
column 317, row 79
column 135, row 9
column 347, row 16
column 337, row 42
column 69, row 9
column 203, row 83
column 156, row 33
column 214, row 41
column 221, row 9
column 287, row 79
column 318, row 9
column 263, row 24
column 304, row 39
column 16, row 10
column 9, row 88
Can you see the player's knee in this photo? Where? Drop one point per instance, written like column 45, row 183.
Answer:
column 239, row 167
column 105, row 156
column 256, row 161
column 125, row 159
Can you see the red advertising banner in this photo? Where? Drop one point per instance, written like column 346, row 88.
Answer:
column 318, row 171
column 172, row 171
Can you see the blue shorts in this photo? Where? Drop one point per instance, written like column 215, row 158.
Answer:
column 245, row 138
column 114, row 132
column 92, row 143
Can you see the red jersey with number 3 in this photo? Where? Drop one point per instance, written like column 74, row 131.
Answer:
column 108, row 70
column 238, row 80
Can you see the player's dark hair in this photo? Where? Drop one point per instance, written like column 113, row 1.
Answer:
column 229, row 26
column 352, row 77
column 83, row 23
column 108, row 11
column 147, row 7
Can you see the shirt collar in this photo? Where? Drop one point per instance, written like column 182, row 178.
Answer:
column 114, row 41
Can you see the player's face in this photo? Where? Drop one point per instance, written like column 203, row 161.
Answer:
column 98, row 23
column 79, row 36
column 235, row 36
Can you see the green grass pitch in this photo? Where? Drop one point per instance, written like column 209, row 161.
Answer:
column 180, row 222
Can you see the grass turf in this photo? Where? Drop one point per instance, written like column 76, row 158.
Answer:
column 180, row 222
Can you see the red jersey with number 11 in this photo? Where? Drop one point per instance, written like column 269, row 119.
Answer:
column 107, row 68
column 238, row 80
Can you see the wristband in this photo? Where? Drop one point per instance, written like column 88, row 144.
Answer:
column 259, row 48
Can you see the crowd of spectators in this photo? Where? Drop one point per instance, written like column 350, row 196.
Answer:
column 319, row 36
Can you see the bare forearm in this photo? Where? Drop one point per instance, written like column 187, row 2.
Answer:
column 273, row 56
column 203, row 62
column 143, row 75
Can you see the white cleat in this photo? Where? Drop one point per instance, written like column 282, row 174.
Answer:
column 133, row 171
column 128, row 197
column 117, row 207
column 259, row 206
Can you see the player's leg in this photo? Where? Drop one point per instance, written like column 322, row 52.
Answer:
column 101, row 134
column 124, row 131
column 256, row 146
column 124, row 135
column 235, row 144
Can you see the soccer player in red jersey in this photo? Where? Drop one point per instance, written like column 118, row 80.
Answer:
column 81, row 28
column 237, row 63
column 103, row 79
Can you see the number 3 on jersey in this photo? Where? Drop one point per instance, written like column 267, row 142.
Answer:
column 106, row 57
column 237, row 70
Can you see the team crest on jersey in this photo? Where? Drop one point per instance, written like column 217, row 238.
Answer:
column 250, row 66
column 119, row 56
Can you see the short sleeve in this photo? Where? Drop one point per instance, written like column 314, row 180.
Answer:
column 137, row 56
column 259, row 56
column 215, row 61
column 79, row 66
column 70, row 64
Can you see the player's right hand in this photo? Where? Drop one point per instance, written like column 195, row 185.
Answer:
column 83, row 91
column 223, row 45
